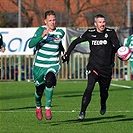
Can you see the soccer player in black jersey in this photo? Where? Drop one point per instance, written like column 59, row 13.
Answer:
column 2, row 46
column 103, row 46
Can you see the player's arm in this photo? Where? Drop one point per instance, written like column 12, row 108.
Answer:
column 115, row 41
column 38, row 37
column 116, row 46
column 78, row 40
column 61, row 48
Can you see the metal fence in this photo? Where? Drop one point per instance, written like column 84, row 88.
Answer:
column 19, row 68
column 15, row 67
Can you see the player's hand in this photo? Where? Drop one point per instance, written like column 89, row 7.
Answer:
column 45, row 32
column 65, row 58
column 3, row 49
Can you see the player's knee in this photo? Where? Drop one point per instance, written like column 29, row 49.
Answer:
column 40, row 89
column 39, row 92
column 50, row 79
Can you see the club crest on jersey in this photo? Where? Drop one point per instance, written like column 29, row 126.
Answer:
column 106, row 35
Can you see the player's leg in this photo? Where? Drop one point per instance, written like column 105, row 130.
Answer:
column 38, row 74
column 104, row 84
column 50, row 81
column 92, row 78
column 38, row 96
column 131, row 64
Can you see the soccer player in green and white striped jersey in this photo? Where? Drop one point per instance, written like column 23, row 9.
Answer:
column 48, row 42
column 129, row 44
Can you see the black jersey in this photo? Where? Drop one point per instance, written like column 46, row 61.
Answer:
column 102, row 46
column 1, row 41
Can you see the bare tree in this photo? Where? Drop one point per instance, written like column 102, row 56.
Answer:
column 74, row 12
column 27, row 6
column 115, row 11
column 3, row 21
column 80, row 8
column 68, row 11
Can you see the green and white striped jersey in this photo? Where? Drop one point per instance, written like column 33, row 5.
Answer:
column 49, row 47
column 129, row 44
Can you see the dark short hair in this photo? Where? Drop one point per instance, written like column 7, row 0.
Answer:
column 50, row 12
column 98, row 16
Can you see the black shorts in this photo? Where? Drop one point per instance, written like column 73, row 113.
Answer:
column 93, row 77
column 101, row 75
column 103, row 71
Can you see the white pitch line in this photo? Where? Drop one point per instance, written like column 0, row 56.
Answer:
column 123, row 86
column 72, row 111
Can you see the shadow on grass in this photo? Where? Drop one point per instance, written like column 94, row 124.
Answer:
column 17, row 96
column 98, row 120
column 90, row 121
column 21, row 108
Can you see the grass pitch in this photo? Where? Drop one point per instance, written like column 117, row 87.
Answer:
column 17, row 109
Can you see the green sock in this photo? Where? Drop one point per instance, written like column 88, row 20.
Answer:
column 38, row 100
column 49, row 94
